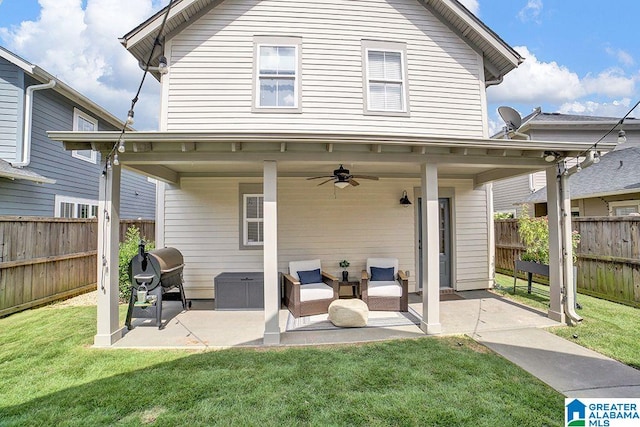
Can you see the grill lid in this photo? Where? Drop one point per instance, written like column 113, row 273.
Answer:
column 168, row 259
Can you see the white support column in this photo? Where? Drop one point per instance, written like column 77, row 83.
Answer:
column 109, row 330
column 271, row 283
column 431, row 251
column 569, row 301
column 556, row 270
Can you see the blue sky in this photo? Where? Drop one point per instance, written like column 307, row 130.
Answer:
column 582, row 57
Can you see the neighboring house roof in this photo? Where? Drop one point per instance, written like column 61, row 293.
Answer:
column 8, row 171
column 618, row 172
column 60, row 87
column 538, row 119
column 499, row 57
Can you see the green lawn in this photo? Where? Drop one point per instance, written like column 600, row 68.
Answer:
column 50, row 376
column 608, row 328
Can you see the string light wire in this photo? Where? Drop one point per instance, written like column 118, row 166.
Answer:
column 119, row 144
column 595, row 144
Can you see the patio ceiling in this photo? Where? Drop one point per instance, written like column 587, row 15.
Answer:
column 169, row 156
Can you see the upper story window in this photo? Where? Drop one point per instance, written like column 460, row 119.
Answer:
column 84, row 123
column 277, row 72
column 385, row 78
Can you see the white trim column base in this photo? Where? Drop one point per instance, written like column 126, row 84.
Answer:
column 108, row 340
column 431, row 329
column 271, row 338
column 557, row 316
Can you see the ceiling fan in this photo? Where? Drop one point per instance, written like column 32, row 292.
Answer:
column 342, row 178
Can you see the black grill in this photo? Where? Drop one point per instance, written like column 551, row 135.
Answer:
column 156, row 272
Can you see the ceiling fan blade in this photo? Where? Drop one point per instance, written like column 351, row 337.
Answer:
column 318, row 177
column 354, row 182
column 324, row 182
column 366, row 177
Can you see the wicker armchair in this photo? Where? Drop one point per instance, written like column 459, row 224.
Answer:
column 388, row 294
column 311, row 295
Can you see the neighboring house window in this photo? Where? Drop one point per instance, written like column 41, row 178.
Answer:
column 385, row 78
column 622, row 208
column 277, row 74
column 84, row 123
column 253, row 220
column 73, row 207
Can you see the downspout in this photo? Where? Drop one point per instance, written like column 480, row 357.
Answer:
column 28, row 109
column 569, row 298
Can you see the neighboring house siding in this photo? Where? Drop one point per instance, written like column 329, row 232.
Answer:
column 211, row 69
column 74, row 178
column 11, row 99
column 507, row 192
column 202, row 221
column 137, row 196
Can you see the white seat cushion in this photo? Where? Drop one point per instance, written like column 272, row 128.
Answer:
column 315, row 291
column 384, row 289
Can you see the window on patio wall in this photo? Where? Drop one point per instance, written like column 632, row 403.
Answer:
column 251, row 216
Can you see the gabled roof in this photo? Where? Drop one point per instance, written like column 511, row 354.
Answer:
column 618, row 172
column 539, row 119
column 499, row 57
column 60, row 87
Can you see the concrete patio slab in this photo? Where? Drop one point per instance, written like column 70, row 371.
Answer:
column 571, row 369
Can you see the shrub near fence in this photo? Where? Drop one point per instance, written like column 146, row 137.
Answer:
column 608, row 255
column 46, row 259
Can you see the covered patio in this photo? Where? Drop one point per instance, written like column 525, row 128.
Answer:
column 195, row 165
column 468, row 313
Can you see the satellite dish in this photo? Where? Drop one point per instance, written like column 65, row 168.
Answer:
column 511, row 117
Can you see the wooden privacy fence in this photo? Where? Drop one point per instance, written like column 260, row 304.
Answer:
column 608, row 255
column 46, row 259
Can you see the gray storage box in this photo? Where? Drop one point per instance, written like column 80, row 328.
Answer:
column 239, row 291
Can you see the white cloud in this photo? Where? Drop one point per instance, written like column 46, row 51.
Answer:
column 81, row 47
column 535, row 82
column 622, row 56
column 617, row 108
column 531, row 12
column 472, row 5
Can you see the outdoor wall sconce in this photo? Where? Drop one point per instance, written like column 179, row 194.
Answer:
column 404, row 200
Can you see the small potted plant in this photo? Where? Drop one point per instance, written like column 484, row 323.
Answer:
column 345, row 274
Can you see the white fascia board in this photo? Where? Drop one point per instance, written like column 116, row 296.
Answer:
column 16, row 60
column 476, row 25
column 153, row 24
column 342, row 138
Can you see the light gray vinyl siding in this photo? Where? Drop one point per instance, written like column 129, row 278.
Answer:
column 202, row 221
column 11, row 104
column 211, row 69
column 509, row 192
column 74, row 177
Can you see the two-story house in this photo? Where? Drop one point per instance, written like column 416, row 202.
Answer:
column 37, row 176
column 259, row 96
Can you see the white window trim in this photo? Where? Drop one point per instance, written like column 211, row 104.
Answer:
column 382, row 46
column 75, row 153
column 58, row 199
column 622, row 204
column 260, row 41
column 245, row 220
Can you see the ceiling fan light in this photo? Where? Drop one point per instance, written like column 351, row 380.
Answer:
column 341, row 184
